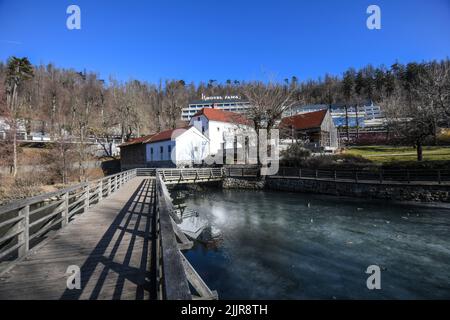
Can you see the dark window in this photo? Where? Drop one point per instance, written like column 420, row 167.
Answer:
column 169, row 148
column 161, row 151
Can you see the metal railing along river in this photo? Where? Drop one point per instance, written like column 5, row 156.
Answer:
column 358, row 176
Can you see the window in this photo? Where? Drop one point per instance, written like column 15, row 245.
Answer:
column 169, row 148
column 161, row 151
column 203, row 129
column 151, row 154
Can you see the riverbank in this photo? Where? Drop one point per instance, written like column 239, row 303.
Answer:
column 399, row 192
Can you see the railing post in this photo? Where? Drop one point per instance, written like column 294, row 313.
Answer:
column 381, row 176
column 408, row 176
column 65, row 213
column 24, row 236
column 335, row 175
column 300, row 173
column 317, row 174
column 109, row 186
column 439, row 176
column 356, row 176
column 100, row 191
column 86, row 200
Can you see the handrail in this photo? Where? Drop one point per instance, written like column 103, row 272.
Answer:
column 195, row 174
column 172, row 280
column 359, row 176
column 25, row 221
column 176, row 274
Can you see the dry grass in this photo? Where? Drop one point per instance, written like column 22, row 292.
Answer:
column 27, row 185
column 385, row 154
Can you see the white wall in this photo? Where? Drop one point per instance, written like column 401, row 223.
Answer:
column 216, row 131
column 191, row 146
column 157, row 155
column 201, row 123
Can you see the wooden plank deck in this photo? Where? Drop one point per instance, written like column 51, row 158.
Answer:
column 112, row 243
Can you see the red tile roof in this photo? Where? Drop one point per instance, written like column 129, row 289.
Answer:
column 140, row 140
column 166, row 135
column 161, row 136
column 223, row 116
column 305, row 120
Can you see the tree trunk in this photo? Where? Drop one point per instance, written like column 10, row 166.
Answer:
column 346, row 124
column 52, row 120
column 14, row 148
column 419, row 151
column 357, row 122
column 14, row 127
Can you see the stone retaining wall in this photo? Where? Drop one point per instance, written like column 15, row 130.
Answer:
column 243, row 183
column 396, row 192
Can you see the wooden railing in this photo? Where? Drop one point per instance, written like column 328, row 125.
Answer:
column 148, row 172
column 25, row 223
column 180, row 175
column 171, row 279
column 174, row 272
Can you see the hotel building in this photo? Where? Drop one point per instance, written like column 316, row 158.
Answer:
column 227, row 103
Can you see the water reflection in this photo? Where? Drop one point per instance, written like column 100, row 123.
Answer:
column 295, row 246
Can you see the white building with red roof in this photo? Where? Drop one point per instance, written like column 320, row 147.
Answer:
column 179, row 147
column 220, row 127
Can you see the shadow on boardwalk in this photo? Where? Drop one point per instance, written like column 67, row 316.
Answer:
column 131, row 234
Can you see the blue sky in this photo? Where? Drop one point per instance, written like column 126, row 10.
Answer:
column 199, row 40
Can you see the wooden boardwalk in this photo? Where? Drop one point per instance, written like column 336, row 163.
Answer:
column 113, row 244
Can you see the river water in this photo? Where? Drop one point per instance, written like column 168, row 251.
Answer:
column 281, row 245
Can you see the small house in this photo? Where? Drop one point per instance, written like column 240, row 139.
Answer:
column 316, row 130
column 182, row 147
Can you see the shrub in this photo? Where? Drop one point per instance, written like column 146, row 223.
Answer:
column 294, row 155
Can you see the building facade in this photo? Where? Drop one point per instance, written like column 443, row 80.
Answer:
column 315, row 130
column 361, row 116
column 181, row 147
column 227, row 103
column 219, row 126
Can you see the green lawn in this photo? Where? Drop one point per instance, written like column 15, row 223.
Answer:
column 390, row 153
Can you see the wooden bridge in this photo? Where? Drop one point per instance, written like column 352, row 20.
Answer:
column 185, row 176
column 120, row 232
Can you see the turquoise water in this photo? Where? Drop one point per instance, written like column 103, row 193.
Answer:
column 279, row 245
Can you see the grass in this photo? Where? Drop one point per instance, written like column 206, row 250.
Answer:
column 384, row 154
